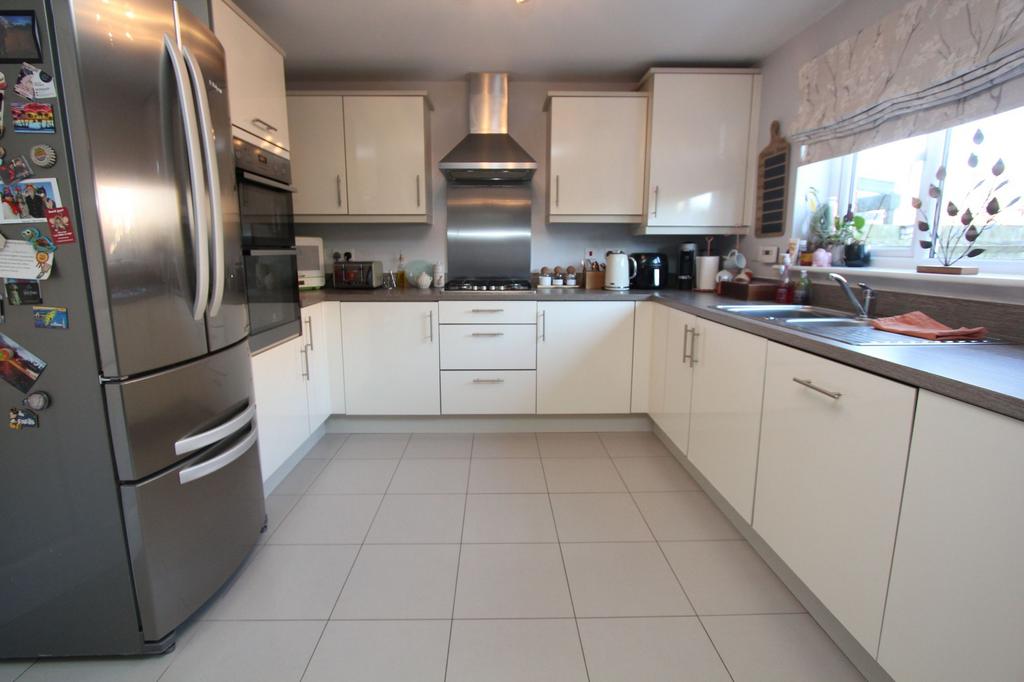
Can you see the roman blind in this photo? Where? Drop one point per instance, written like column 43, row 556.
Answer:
column 931, row 65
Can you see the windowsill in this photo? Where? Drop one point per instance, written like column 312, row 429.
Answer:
column 981, row 279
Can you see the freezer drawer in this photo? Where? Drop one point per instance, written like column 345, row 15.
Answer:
column 153, row 418
column 190, row 528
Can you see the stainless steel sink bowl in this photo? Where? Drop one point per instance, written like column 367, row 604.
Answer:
column 835, row 325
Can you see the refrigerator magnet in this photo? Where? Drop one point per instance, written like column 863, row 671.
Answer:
column 61, row 229
column 33, row 117
column 19, row 418
column 43, row 155
column 16, row 169
column 49, row 317
column 33, row 83
column 18, row 366
column 23, row 292
column 19, row 260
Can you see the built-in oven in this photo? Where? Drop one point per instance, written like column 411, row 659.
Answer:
column 268, row 244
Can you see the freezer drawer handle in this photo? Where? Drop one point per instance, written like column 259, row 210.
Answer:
column 219, row 462
column 218, row 433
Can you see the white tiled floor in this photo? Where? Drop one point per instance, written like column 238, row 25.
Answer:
column 498, row 557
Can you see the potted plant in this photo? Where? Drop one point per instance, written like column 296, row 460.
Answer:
column 822, row 229
column 854, row 234
column 973, row 215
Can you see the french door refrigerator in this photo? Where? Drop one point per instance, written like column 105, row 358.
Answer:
column 132, row 490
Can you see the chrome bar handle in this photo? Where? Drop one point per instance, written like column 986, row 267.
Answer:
column 339, row 188
column 543, row 318
column 654, row 213
column 430, row 314
column 488, row 334
column 263, row 124
column 487, row 310
column 309, row 325
column 686, row 340
column 558, row 190
column 210, row 466
column 218, row 433
column 835, row 395
column 488, row 381
column 693, row 346
column 198, row 218
column 209, row 145
column 305, row 363
column 417, row 190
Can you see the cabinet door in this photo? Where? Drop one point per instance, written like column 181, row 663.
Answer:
column 281, row 411
column 700, row 149
column 385, row 155
column 318, row 155
column 643, row 328
column 256, row 90
column 956, row 601
column 598, row 149
column 725, row 420
column 659, row 357
column 392, row 364
column 829, row 480
column 584, row 357
column 335, row 355
column 318, row 383
column 678, row 378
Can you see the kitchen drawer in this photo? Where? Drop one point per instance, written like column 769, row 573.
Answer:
column 470, row 392
column 488, row 346
column 488, row 312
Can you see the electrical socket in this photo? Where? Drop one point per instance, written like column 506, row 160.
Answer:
column 768, row 254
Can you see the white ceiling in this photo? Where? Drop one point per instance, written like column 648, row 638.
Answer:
column 539, row 40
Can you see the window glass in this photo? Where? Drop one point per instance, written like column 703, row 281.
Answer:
column 886, row 180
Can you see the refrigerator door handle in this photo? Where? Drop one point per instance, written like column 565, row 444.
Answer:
column 210, row 466
column 212, row 178
column 199, row 237
column 218, row 433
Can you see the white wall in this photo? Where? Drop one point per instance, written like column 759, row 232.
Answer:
column 556, row 244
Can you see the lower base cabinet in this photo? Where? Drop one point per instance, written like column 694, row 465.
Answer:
column 725, row 416
column 956, row 599
column 488, row 392
column 679, row 369
column 833, row 453
column 282, row 414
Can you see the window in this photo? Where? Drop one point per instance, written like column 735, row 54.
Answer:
column 881, row 184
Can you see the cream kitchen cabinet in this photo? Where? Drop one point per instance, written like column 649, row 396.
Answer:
column 318, row 155
column 596, row 150
column 282, row 412
column 335, row 355
column 657, row 363
column 361, row 157
column 678, row 373
column 318, row 360
column 955, row 609
column 701, row 155
column 255, row 69
column 387, row 155
column 584, row 357
column 391, row 357
column 834, row 443
column 725, row 414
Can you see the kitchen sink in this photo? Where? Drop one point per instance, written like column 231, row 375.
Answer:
column 835, row 325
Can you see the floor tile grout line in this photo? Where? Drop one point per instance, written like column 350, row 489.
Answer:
column 458, row 560
column 565, row 569
column 675, row 574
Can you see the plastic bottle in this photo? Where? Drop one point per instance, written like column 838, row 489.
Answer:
column 785, row 292
column 802, row 291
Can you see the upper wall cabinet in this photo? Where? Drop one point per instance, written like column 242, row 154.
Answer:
column 701, row 154
column 361, row 157
column 596, row 151
column 256, row 92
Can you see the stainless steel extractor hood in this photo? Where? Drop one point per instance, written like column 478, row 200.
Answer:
column 488, row 154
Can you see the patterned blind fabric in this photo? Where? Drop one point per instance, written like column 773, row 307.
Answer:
column 929, row 66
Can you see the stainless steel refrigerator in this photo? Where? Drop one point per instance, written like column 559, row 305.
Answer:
column 132, row 490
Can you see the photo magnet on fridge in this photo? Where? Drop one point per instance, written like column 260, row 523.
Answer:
column 28, row 200
column 19, row 418
column 16, row 169
column 33, row 117
column 19, row 367
column 61, row 229
column 23, row 292
column 19, row 36
column 49, row 317
column 33, row 83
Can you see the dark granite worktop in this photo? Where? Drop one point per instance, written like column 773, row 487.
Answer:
column 989, row 376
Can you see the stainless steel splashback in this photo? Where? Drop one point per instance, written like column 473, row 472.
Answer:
column 489, row 230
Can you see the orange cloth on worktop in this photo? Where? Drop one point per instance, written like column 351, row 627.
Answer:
column 920, row 325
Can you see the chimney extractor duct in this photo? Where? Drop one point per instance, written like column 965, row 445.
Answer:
column 488, row 154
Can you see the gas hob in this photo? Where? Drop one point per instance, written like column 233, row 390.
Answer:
column 488, row 284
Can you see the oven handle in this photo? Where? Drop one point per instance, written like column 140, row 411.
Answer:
column 260, row 180
column 217, row 463
column 269, row 252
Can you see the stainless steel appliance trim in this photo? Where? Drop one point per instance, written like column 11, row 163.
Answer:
column 488, row 334
column 835, row 395
column 309, row 325
column 488, row 381
column 270, row 252
column 218, row 433
column 259, row 122
column 259, row 179
column 488, row 165
column 210, row 466
column 198, row 217
column 209, row 146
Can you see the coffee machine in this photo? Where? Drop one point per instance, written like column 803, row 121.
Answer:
column 687, row 266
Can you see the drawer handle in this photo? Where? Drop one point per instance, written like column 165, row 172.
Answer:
column 488, row 381
column 487, row 310
column 194, row 473
column 488, row 334
column 835, row 395
column 201, row 440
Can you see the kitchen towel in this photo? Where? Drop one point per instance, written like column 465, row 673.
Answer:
column 920, row 325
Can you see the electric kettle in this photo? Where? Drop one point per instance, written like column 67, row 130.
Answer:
column 617, row 273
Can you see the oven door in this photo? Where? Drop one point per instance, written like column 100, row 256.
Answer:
column 266, row 212
column 272, row 281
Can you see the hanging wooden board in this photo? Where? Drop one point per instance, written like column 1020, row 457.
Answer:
column 772, row 186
